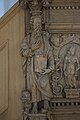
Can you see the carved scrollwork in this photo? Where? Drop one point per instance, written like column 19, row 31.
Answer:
column 66, row 49
column 55, row 82
column 51, row 63
column 34, row 5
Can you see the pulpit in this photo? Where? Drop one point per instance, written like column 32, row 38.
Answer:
column 51, row 53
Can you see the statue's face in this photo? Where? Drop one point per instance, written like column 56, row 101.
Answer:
column 72, row 50
column 37, row 23
column 25, row 96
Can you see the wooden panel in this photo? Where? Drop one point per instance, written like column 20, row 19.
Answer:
column 63, row 27
column 62, row 11
column 3, row 77
column 12, row 28
column 64, row 15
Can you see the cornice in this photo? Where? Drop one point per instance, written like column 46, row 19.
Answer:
column 63, row 27
column 66, row 1
column 65, row 7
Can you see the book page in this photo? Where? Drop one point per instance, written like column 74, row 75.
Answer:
column 40, row 63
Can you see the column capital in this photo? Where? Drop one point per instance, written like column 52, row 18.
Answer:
column 34, row 5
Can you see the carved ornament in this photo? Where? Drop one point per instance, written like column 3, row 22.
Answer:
column 65, row 7
column 51, row 64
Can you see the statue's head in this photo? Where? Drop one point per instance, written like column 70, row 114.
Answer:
column 26, row 96
column 36, row 22
column 71, row 50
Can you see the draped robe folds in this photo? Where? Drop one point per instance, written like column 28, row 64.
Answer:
column 71, row 70
column 37, row 83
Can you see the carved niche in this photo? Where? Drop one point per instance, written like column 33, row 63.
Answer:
column 51, row 64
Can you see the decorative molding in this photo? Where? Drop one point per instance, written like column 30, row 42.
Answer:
column 9, row 15
column 67, row 1
column 63, row 27
column 65, row 7
column 34, row 5
column 3, row 45
column 4, row 78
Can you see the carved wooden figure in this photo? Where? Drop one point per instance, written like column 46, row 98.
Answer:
column 51, row 62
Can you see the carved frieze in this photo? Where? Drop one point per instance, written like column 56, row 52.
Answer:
column 63, row 12
column 64, row 7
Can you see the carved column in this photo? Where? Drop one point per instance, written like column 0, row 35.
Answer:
column 35, row 7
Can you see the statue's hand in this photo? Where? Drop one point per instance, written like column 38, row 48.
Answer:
column 36, row 45
column 45, row 71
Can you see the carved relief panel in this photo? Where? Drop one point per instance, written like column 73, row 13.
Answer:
column 66, row 76
column 51, row 60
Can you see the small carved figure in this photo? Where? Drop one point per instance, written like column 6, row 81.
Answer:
column 26, row 100
column 71, row 67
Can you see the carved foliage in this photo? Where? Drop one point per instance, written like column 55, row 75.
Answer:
column 34, row 5
column 66, row 49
